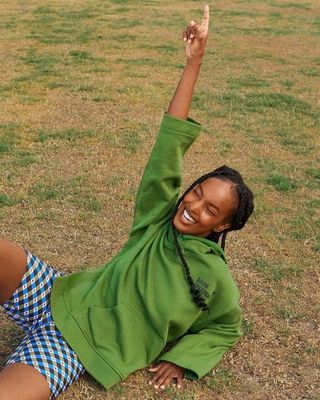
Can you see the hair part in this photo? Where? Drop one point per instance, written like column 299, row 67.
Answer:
column 237, row 220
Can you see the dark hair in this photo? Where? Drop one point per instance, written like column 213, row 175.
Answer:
column 238, row 219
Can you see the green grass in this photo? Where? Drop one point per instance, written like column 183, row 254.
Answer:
column 67, row 134
column 51, row 26
column 224, row 147
column 10, row 23
column 88, row 203
column 247, row 326
column 143, row 61
column 124, row 23
column 26, row 99
column 75, row 192
column 247, row 82
column 8, row 137
column 125, row 38
column 305, row 226
column 131, row 142
column 103, row 99
column 47, row 215
column 6, row 201
column 313, row 203
column 79, row 55
column 259, row 102
column 221, row 379
column 238, row 13
column 316, row 22
column 281, row 182
column 120, row 1
column 119, row 390
column 296, row 141
column 287, row 83
column 85, row 87
column 286, row 313
column 161, row 48
column 311, row 350
column 270, row 31
column 299, row 6
column 24, row 159
column 269, row 165
column 275, row 271
column 42, row 64
column 43, row 191
column 310, row 72
column 313, row 172
column 4, row 147
column 114, row 181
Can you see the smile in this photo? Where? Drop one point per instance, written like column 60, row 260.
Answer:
column 186, row 217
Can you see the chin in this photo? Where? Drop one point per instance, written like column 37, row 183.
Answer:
column 182, row 229
column 186, row 229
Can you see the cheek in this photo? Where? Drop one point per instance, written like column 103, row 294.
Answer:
column 207, row 219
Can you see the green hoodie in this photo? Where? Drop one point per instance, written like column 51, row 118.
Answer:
column 118, row 318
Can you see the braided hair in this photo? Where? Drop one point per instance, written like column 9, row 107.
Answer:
column 239, row 218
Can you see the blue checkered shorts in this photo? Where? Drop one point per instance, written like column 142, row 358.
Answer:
column 43, row 346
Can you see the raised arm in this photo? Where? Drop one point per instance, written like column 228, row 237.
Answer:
column 195, row 37
column 160, row 184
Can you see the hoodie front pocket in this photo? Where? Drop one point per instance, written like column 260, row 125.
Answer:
column 121, row 336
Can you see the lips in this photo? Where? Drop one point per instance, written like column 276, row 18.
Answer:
column 186, row 218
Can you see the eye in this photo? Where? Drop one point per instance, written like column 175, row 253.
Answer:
column 210, row 212
column 197, row 192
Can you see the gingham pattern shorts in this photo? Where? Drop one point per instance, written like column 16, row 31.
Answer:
column 43, row 346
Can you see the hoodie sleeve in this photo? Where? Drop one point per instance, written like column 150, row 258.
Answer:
column 202, row 348
column 161, row 180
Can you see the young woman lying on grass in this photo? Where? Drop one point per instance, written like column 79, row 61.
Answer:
column 169, row 282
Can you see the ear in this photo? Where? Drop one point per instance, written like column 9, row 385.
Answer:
column 221, row 227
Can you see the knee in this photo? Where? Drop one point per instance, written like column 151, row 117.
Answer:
column 23, row 382
column 13, row 265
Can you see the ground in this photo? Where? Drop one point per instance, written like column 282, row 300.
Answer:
column 83, row 87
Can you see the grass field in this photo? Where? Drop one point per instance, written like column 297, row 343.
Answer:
column 82, row 91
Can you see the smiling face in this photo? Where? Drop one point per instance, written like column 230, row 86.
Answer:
column 207, row 207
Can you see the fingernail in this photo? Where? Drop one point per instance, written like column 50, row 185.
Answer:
column 156, row 386
column 185, row 39
column 162, row 386
column 150, row 383
column 189, row 41
column 179, row 386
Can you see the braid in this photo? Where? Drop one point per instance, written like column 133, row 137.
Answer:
column 238, row 220
column 223, row 240
column 195, row 292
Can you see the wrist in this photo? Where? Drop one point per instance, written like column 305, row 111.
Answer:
column 195, row 61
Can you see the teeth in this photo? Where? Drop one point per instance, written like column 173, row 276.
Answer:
column 188, row 217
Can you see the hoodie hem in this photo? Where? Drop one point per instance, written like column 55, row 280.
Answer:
column 100, row 368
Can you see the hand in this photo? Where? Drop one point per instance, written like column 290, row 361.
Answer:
column 165, row 372
column 196, row 36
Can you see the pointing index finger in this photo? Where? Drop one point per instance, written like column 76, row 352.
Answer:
column 205, row 19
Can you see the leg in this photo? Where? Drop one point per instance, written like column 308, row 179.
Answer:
column 23, row 382
column 13, row 262
column 45, row 351
column 43, row 348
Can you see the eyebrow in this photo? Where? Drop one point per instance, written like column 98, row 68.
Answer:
column 211, row 204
